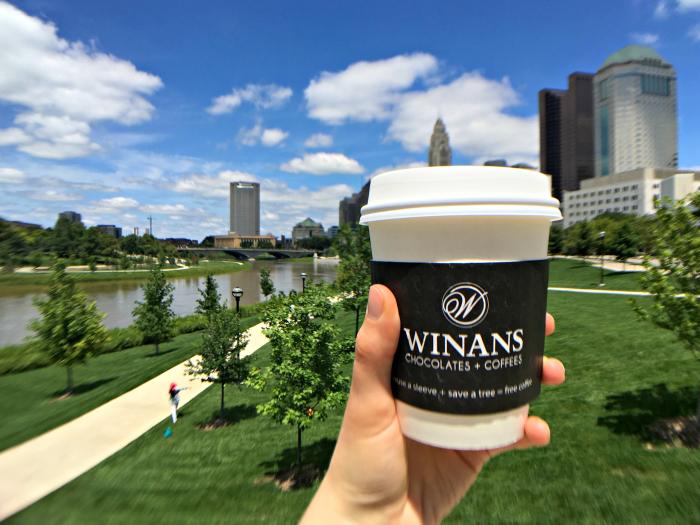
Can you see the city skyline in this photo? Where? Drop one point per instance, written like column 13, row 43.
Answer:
column 255, row 98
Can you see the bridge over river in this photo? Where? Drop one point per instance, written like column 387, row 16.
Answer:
column 251, row 253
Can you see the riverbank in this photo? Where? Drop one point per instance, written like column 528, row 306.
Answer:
column 203, row 268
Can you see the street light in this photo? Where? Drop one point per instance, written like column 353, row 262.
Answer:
column 303, row 281
column 601, row 238
column 237, row 294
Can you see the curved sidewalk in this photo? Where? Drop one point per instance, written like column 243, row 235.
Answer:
column 37, row 467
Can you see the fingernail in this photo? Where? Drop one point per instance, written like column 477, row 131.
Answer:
column 375, row 304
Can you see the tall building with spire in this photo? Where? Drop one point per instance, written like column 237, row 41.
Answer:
column 635, row 112
column 440, row 153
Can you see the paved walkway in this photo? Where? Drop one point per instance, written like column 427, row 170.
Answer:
column 37, row 467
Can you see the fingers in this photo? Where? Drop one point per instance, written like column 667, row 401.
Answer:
column 535, row 434
column 371, row 404
column 549, row 324
column 553, row 371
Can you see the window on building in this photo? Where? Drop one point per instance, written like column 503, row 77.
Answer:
column 625, row 208
column 607, row 192
column 603, row 89
column 617, row 199
column 617, row 190
column 634, row 206
column 634, row 197
column 656, row 85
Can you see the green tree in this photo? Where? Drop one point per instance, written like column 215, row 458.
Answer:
column 70, row 327
column 674, row 280
column 209, row 301
column 154, row 316
column 556, row 239
column 221, row 360
column 305, row 378
column 266, row 284
column 67, row 236
column 580, row 239
column 354, row 277
column 625, row 242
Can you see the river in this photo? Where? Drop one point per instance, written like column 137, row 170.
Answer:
column 117, row 298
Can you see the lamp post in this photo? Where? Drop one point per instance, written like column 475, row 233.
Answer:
column 237, row 294
column 601, row 239
column 303, row 281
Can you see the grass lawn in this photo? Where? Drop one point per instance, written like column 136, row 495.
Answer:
column 567, row 273
column 203, row 268
column 622, row 374
column 27, row 399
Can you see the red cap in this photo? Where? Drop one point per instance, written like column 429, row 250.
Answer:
column 173, row 386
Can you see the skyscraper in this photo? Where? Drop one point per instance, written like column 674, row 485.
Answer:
column 635, row 112
column 440, row 153
column 566, row 133
column 349, row 208
column 245, row 208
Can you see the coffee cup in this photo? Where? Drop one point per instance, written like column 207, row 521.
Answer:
column 464, row 250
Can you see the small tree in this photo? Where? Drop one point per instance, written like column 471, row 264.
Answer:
column 70, row 327
column 675, row 282
column 222, row 344
column 266, row 284
column 625, row 243
column 154, row 316
column 354, row 276
column 209, row 301
column 305, row 375
column 556, row 239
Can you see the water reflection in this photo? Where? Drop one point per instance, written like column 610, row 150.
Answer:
column 116, row 299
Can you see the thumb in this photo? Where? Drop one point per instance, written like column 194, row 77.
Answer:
column 371, row 404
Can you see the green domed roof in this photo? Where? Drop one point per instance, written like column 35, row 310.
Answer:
column 634, row 54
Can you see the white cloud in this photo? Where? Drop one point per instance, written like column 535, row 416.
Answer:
column 171, row 209
column 13, row 136
column 282, row 206
column 661, row 10
column 63, row 87
column 211, row 186
column 473, row 108
column 322, row 164
column 11, row 176
column 694, row 33
column 402, row 166
column 258, row 135
column 644, row 38
column 261, row 96
column 118, row 203
column 55, row 196
column 365, row 91
column 319, row 140
column 688, row 5
column 273, row 136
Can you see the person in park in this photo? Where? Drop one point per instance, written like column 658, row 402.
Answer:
column 376, row 475
column 174, row 393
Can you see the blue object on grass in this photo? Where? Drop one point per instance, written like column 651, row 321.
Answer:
column 168, row 432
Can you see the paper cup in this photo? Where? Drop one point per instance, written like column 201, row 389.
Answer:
column 464, row 249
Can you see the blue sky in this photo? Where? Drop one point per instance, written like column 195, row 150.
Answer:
column 120, row 110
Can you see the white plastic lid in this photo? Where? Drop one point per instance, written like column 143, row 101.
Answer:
column 458, row 191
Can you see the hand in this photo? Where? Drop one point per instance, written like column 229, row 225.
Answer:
column 376, row 474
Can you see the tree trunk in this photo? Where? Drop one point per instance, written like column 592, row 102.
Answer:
column 298, row 448
column 157, row 348
column 357, row 320
column 69, row 374
column 221, row 410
